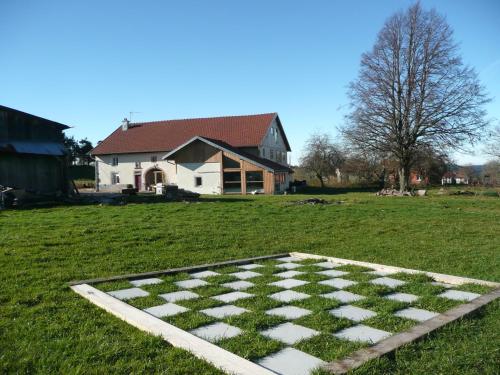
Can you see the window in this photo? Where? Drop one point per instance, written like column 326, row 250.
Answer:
column 154, row 159
column 114, row 161
column 115, row 178
column 137, row 165
column 197, row 181
column 263, row 152
column 230, row 163
column 275, row 136
column 232, row 182
column 271, row 154
column 255, row 181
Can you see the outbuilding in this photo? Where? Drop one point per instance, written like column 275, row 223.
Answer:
column 32, row 153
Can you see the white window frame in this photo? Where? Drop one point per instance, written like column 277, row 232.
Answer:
column 114, row 161
column 115, row 178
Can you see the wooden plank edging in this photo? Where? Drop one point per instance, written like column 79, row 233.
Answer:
column 221, row 358
column 392, row 343
column 201, row 267
column 449, row 279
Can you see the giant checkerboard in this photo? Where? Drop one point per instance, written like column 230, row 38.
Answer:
column 291, row 315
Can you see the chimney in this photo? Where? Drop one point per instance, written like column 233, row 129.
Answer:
column 125, row 124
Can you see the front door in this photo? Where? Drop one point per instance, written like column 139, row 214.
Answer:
column 137, row 181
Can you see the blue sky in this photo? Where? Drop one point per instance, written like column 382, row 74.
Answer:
column 89, row 63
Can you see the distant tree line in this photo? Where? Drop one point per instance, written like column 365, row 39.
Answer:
column 78, row 150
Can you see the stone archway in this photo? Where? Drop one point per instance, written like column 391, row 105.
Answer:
column 154, row 176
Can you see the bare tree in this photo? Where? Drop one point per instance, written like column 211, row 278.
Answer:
column 413, row 90
column 321, row 157
column 432, row 164
column 493, row 144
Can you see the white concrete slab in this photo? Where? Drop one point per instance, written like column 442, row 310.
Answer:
column 244, row 275
column 327, row 264
column 288, row 259
column 458, row 295
column 343, row 296
column 289, row 283
column 203, row 274
column 289, row 296
column 354, row 313
column 224, row 311
column 251, row 266
column 332, row 273
column 216, row 332
column 239, row 285
column 289, row 333
column 179, row 296
column 231, row 297
column 288, row 266
column 168, row 309
column 190, row 284
column 402, row 297
column 288, row 274
column 387, row 281
column 363, row 333
column 419, row 315
column 130, row 293
column 151, row 281
column 289, row 312
column 290, row 361
column 338, row 283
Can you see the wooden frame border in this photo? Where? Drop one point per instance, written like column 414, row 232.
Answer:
column 201, row 267
column 221, row 358
column 449, row 279
column 234, row 364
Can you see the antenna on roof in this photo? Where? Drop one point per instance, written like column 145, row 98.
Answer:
column 130, row 115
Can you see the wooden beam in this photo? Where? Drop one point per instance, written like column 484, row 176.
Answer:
column 220, row 358
column 201, row 267
column 449, row 279
column 417, row 332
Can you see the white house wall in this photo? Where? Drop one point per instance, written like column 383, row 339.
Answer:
column 126, row 169
column 209, row 173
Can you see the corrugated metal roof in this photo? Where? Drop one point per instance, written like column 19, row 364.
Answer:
column 36, row 148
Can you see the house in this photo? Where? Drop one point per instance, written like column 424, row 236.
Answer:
column 32, row 153
column 454, row 178
column 418, row 178
column 217, row 155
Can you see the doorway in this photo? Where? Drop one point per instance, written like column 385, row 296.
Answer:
column 138, row 182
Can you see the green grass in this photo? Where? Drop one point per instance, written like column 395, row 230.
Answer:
column 47, row 328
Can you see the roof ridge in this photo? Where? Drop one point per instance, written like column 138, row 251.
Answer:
column 202, row 118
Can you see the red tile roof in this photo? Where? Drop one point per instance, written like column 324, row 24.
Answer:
column 238, row 131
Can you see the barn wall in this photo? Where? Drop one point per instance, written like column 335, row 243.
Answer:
column 34, row 173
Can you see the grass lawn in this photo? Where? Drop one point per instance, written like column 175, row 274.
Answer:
column 47, row 328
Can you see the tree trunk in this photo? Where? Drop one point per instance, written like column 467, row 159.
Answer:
column 381, row 180
column 320, row 178
column 404, row 178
